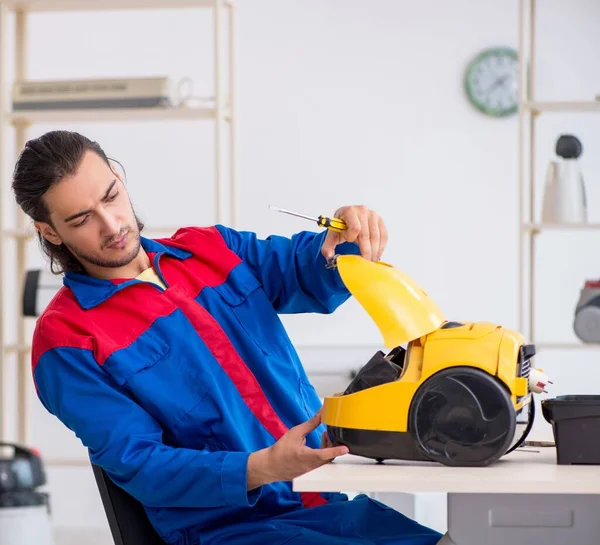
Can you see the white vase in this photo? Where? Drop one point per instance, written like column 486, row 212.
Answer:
column 564, row 192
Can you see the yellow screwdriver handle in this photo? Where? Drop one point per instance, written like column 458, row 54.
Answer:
column 333, row 224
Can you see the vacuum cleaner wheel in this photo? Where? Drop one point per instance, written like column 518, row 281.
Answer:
column 587, row 324
column 462, row 417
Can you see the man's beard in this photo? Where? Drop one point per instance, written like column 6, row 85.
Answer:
column 99, row 261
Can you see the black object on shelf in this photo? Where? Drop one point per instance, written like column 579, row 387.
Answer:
column 568, row 146
column 575, row 423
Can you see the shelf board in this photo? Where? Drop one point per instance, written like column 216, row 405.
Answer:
column 567, row 346
column 111, row 114
column 564, row 106
column 561, row 226
column 29, row 233
column 105, row 5
column 17, row 349
column 18, row 233
column 66, row 462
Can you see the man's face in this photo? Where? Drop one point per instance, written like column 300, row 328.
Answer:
column 92, row 216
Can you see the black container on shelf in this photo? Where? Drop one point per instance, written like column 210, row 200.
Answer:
column 575, row 423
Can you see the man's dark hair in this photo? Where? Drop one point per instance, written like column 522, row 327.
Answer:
column 44, row 162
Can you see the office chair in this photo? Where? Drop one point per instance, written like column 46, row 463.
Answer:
column 127, row 519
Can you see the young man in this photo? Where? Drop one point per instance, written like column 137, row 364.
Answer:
column 168, row 360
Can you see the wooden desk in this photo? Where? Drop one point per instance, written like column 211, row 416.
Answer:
column 518, row 472
column 523, row 499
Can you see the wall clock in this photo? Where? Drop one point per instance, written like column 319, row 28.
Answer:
column 492, row 81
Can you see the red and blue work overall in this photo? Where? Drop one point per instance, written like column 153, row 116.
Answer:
column 172, row 389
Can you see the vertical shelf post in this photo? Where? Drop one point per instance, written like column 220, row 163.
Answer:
column 4, row 412
column 526, row 174
column 219, row 110
column 233, row 211
column 521, row 161
column 531, row 179
column 22, row 416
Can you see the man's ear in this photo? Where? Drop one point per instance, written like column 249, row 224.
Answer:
column 48, row 232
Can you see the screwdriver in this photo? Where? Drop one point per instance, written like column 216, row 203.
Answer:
column 333, row 224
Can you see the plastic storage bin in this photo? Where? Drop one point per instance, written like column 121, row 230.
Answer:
column 575, row 423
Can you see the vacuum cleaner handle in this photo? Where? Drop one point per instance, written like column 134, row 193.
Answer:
column 20, row 449
column 36, row 474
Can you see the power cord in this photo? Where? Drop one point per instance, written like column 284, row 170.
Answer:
column 190, row 100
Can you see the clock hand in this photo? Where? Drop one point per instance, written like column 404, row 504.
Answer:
column 499, row 81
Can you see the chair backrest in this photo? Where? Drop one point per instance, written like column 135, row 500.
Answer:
column 127, row 519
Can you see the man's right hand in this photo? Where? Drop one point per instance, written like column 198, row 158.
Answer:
column 290, row 457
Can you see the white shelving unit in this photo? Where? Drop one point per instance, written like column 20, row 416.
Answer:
column 529, row 229
column 220, row 111
column 541, row 107
column 107, row 115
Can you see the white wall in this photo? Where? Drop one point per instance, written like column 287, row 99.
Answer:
column 343, row 102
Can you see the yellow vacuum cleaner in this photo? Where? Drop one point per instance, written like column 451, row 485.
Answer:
column 458, row 393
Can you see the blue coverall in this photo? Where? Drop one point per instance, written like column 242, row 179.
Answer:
column 172, row 389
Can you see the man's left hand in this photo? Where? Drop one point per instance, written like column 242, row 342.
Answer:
column 364, row 227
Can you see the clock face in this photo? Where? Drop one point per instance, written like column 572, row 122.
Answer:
column 492, row 81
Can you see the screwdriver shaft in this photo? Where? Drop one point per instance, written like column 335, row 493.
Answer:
column 293, row 213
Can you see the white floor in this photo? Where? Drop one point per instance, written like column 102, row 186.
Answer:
column 78, row 536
